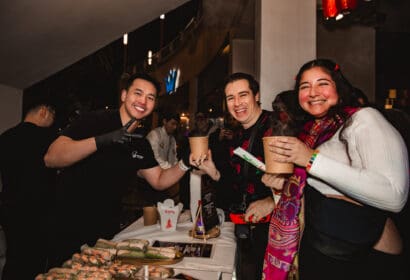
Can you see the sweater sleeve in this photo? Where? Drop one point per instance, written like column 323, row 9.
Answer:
column 382, row 179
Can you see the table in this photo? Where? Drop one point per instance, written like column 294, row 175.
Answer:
column 221, row 265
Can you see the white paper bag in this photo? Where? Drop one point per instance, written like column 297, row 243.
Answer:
column 169, row 214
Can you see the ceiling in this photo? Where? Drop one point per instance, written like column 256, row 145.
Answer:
column 39, row 38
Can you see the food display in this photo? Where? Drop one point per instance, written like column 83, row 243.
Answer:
column 124, row 260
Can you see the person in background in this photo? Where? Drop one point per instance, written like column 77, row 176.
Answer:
column 164, row 146
column 287, row 111
column 203, row 126
column 101, row 155
column 249, row 195
column 219, row 142
column 352, row 168
column 163, row 142
column 28, row 188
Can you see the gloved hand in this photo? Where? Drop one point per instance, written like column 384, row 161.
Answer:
column 119, row 136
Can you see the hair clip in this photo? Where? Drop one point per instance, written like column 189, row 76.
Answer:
column 337, row 67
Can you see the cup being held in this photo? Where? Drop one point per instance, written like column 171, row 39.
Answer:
column 272, row 166
column 198, row 146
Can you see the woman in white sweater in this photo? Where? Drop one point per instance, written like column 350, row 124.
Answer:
column 352, row 170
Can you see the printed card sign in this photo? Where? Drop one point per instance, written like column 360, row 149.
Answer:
column 209, row 214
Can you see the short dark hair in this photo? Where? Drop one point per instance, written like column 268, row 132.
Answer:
column 32, row 103
column 171, row 116
column 127, row 82
column 253, row 83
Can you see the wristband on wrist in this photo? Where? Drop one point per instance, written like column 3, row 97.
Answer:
column 182, row 166
column 311, row 160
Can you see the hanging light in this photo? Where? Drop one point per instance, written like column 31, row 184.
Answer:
column 347, row 6
column 149, row 57
column 330, row 8
column 125, row 39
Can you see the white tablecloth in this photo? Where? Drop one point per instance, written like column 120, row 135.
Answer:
column 222, row 262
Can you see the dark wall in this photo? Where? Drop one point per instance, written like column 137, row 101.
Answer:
column 354, row 49
column 393, row 64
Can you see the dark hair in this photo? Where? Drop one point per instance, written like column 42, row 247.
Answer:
column 253, row 84
column 360, row 97
column 171, row 116
column 203, row 113
column 287, row 101
column 128, row 80
column 287, row 116
column 344, row 88
column 34, row 102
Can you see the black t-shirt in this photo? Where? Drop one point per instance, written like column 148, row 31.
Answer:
column 28, row 185
column 90, row 191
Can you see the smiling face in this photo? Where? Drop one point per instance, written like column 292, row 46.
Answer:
column 317, row 92
column 138, row 100
column 242, row 103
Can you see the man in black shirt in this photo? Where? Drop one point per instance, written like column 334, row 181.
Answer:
column 27, row 195
column 101, row 156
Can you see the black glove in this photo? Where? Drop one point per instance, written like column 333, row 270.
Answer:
column 119, row 136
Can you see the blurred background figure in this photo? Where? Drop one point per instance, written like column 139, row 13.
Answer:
column 219, row 142
column 203, row 125
column 287, row 112
column 28, row 192
column 163, row 142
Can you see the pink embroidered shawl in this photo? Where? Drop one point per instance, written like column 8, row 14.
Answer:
column 284, row 228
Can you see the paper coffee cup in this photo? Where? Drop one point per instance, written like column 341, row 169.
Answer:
column 273, row 166
column 198, row 146
column 150, row 215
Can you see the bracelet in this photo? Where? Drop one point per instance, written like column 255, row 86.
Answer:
column 311, row 160
column 182, row 166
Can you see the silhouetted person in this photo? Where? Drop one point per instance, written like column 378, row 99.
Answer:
column 28, row 192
